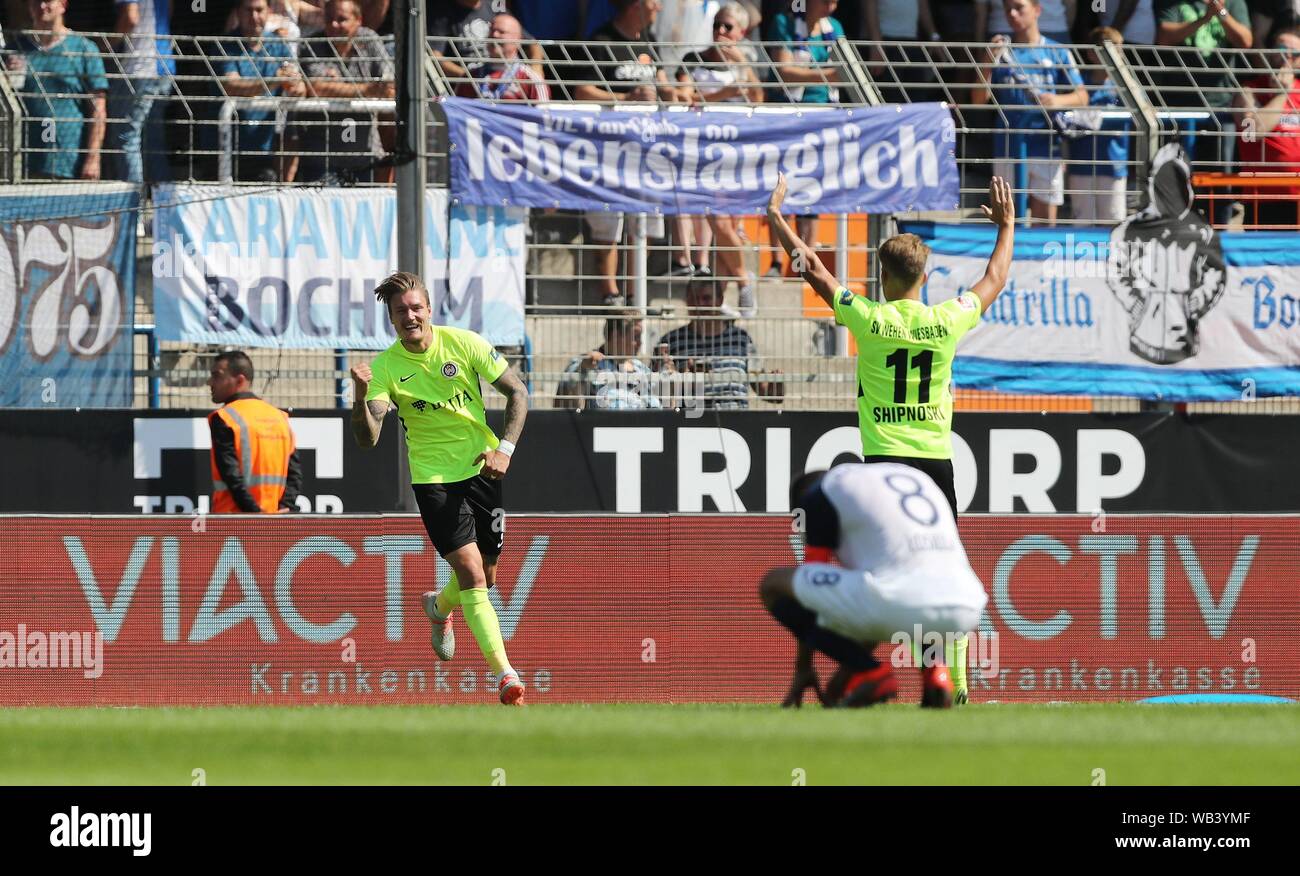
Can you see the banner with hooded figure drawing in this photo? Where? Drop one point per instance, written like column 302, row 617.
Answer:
column 1166, row 265
column 1162, row 307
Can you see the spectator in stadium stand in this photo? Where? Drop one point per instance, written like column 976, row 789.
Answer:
column 1272, row 103
column 135, row 99
column 255, row 464
column 755, row 55
column 627, row 67
column 720, row 74
column 1268, row 18
column 803, row 62
column 901, row 71
column 547, row 19
column 595, row 14
column 1207, row 26
column 65, row 85
column 253, row 64
column 955, row 21
column 715, row 354
column 460, row 31
column 1099, row 161
column 1134, row 19
column 1055, row 24
column 611, row 377
column 375, row 13
column 1035, row 77
column 350, row 62
column 683, row 26
column 504, row 75
column 287, row 19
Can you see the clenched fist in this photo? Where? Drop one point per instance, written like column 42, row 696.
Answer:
column 361, row 377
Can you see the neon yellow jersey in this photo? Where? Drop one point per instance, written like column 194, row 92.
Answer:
column 905, row 353
column 440, row 402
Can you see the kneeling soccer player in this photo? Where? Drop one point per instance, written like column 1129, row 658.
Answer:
column 902, row 568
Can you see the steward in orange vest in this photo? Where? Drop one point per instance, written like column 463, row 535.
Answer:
column 255, row 465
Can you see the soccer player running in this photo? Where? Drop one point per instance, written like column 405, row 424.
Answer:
column 430, row 375
column 906, row 348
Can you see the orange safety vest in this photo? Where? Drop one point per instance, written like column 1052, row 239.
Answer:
column 263, row 443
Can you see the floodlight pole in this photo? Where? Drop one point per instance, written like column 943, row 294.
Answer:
column 412, row 96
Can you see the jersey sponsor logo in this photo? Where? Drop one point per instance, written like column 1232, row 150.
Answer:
column 846, row 297
column 450, row 370
column 457, row 402
column 965, row 303
column 907, row 414
column 404, row 379
column 496, row 354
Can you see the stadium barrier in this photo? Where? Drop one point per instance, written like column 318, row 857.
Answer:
column 120, row 462
column 1161, row 93
column 291, row 611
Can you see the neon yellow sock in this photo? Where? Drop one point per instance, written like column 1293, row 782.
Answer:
column 448, row 597
column 482, row 620
column 955, row 657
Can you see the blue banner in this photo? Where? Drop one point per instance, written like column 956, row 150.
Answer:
column 67, row 295
column 680, row 160
column 1104, row 311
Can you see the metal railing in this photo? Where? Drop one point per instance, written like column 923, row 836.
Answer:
column 1139, row 96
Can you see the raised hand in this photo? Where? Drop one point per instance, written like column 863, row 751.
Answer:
column 1003, row 210
column 361, row 377
column 778, row 195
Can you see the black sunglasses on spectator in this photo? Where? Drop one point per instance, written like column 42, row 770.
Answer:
column 725, row 27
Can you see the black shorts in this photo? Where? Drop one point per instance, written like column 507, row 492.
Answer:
column 467, row 511
column 939, row 470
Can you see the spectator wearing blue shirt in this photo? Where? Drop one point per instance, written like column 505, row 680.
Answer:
column 1099, row 162
column 64, row 72
column 254, row 65
column 146, row 67
column 803, row 61
column 1030, row 78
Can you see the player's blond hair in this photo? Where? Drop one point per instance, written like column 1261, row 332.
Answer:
column 397, row 285
column 904, row 256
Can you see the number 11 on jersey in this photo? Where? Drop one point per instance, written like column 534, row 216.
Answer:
column 923, row 362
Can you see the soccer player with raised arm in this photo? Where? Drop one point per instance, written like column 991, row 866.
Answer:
column 431, row 375
column 906, row 348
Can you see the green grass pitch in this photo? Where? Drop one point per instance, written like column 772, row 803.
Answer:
column 653, row 744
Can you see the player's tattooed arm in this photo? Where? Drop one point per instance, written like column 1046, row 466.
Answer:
column 509, row 385
column 367, row 416
column 497, row 462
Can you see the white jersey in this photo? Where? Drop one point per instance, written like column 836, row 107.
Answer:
column 902, row 563
column 895, row 523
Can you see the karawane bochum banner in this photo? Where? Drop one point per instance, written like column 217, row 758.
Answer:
column 297, row 267
column 634, row 160
column 1162, row 307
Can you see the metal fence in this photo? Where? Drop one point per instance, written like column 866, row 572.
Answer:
column 293, row 112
